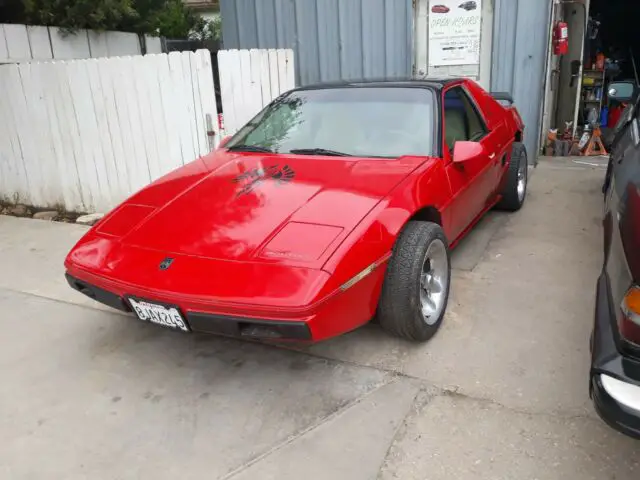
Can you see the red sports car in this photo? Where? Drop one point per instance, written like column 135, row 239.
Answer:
column 334, row 205
column 440, row 9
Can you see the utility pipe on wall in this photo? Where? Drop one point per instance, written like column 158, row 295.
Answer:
column 586, row 4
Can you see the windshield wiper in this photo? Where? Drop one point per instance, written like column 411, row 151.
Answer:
column 250, row 148
column 319, row 151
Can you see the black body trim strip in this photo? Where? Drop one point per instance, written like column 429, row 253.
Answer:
column 99, row 295
column 248, row 327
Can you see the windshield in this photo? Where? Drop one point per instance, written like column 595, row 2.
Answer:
column 353, row 121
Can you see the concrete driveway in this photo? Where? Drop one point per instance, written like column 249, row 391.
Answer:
column 501, row 391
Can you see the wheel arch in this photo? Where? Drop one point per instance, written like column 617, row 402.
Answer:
column 519, row 136
column 426, row 214
column 420, row 197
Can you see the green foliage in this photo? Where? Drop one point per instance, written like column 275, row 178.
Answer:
column 12, row 11
column 167, row 18
column 74, row 14
column 207, row 29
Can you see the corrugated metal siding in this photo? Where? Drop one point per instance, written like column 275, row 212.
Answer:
column 520, row 42
column 332, row 39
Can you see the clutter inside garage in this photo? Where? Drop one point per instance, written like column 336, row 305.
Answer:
column 592, row 46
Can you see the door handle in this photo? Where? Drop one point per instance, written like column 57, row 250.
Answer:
column 492, row 156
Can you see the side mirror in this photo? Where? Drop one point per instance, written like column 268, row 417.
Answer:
column 224, row 141
column 464, row 151
column 622, row 91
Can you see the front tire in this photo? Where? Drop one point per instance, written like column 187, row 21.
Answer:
column 515, row 188
column 416, row 288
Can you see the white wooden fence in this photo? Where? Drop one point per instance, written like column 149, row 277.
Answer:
column 86, row 134
column 250, row 80
column 20, row 43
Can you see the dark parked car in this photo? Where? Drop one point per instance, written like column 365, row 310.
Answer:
column 615, row 343
column 468, row 5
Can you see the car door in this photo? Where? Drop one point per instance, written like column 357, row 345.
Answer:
column 622, row 210
column 498, row 141
column 621, row 139
column 472, row 182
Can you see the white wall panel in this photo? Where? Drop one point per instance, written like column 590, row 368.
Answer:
column 86, row 134
column 39, row 42
column 250, row 80
column 19, row 43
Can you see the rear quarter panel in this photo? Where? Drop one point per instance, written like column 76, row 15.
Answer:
column 494, row 112
column 505, row 120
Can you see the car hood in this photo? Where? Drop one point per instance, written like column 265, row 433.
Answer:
column 258, row 207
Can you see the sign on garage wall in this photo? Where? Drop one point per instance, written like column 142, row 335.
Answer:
column 454, row 32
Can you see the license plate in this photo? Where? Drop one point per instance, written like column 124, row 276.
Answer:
column 159, row 314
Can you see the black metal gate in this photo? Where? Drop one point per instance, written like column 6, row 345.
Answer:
column 186, row 45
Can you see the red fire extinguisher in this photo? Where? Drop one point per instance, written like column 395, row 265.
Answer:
column 561, row 39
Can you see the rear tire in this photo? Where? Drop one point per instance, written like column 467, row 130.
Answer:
column 416, row 288
column 515, row 189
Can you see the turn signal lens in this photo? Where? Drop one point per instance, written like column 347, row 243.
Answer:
column 630, row 328
column 358, row 277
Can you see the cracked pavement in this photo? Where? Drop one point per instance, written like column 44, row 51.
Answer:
column 501, row 392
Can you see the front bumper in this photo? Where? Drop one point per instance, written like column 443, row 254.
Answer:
column 335, row 315
column 615, row 378
column 206, row 322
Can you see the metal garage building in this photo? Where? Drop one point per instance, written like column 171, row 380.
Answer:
column 354, row 39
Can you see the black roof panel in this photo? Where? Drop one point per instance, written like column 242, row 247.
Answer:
column 428, row 82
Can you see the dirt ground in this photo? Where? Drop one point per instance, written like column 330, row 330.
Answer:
column 501, row 392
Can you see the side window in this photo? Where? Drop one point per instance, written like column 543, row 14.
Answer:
column 461, row 120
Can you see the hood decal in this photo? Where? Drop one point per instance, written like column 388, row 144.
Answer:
column 253, row 178
column 166, row 263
